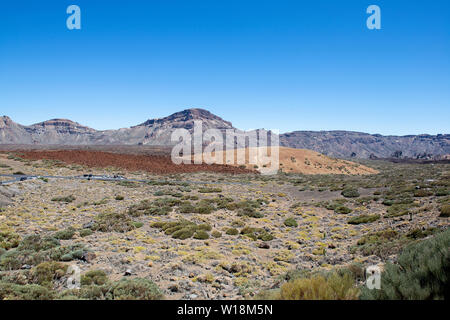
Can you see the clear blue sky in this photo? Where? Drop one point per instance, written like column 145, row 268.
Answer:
column 287, row 65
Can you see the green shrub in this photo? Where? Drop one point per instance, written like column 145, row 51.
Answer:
column 445, row 211
column 342, row 210
column 9, row 240
column 186, row 208
column 363, row 219
column 256, row 233
column 162, row 206
column 205, row 227
column 422, row 193
column 350, row 193
column 216, row 234
column 183, row 229
column 14, row 259
column 96, row 277
column 204, row 209
column 11, row 291
column 232, row 231
column 209, row 190
column 441, row 192
column 113, row 222
column 135, row 289
column 85, row 232
column 422, row 272
column 46, row 272
column 66, row 234
column 290, row 222
column 201, row 235
column 419, row 233
column 249, row 212
column 397, row 210
column 119, row 198
column 137, row 224
column 381, row 243
column 318, row 287
column 66, row 199
column 36, row 243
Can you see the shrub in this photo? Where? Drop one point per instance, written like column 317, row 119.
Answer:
column 67, row 199
column 66, row 234
column 182, row 229
column 381, row 243
column 232, row 231
column 97, row 277
column 209, row 190
column 216, row 234
column 186, row 208
column 204, row 209
column 8, row 240
column 363, row 219
column 342, row 210
column 441, row 193
column 257, row 233
column 36, row 243
column 319, row 287
column 162, row 206
column 290, row 222
column 419, row 233
column 250, row 212
column 137, row 224
column 135, row 289
column 205, row 227
column 397, row 210
column 11, row 291
column 46, row 272
column 201, row 235
column 113, row 222
column 350, row 193
column 422, row 193
column 85, row 232
column 14, row 259
column 422, row 272
column 119, row 198
column 445, row 210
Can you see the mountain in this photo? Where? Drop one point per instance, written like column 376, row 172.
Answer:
column 67, row 132
column 348, row 144
column 157, row 132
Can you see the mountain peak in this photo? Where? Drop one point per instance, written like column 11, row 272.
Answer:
column 185, row 119
column 62, row 126
column 6, row 121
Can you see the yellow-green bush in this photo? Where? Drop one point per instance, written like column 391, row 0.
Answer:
column 319, row 287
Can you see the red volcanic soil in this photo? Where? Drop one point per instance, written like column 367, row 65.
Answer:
column 151, row 163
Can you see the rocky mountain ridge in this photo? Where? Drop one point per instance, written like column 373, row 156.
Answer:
column 157, row 132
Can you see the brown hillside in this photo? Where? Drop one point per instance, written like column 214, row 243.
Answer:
column 304, row 161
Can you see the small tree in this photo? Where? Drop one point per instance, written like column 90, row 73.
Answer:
column 421, row 273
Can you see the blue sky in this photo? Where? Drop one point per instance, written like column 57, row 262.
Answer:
column 287, row 65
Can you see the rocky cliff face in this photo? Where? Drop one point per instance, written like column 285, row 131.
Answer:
column 363, row 145
column 158, row 132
